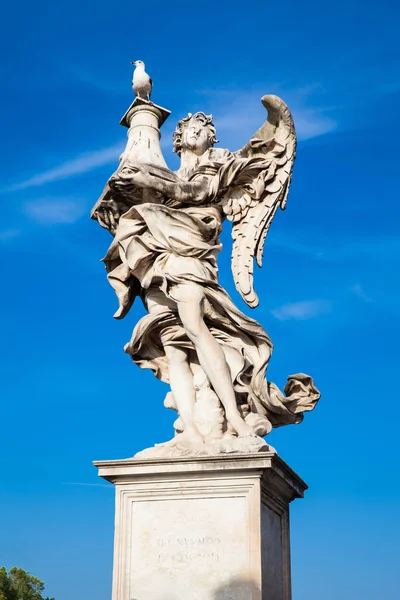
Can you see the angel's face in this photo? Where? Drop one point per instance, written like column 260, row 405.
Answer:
column 195, row 137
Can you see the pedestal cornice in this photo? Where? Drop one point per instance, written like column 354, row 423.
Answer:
column 274, row 473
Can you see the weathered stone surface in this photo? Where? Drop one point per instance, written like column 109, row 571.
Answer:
column 166, row 228
column 228, row 444
column 204, row 529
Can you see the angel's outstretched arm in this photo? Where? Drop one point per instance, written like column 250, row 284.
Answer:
column 162, row 181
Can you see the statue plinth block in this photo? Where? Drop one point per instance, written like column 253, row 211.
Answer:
column 210, row 528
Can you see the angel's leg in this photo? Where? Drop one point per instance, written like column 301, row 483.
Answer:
column 190, row 300
column 179, row 372
column 182, row 387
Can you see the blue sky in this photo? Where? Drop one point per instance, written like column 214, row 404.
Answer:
column 329, row 287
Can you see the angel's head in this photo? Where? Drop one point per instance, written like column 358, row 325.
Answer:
column 195, row 133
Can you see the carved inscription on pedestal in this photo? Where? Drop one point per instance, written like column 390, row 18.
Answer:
column 175, row 551
column 189, row 545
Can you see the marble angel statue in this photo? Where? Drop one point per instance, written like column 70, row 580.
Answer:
column 166, row 228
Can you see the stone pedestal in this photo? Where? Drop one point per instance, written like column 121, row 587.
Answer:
column 212, row 528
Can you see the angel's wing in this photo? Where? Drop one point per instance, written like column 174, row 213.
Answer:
column 259, row 187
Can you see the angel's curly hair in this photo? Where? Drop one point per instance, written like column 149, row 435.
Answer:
column 207, row 120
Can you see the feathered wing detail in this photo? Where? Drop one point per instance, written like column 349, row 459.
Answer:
column 260, row 175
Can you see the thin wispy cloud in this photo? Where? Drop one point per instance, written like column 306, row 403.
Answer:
column 236, row 117
column 8, row 235
column 309, row 122
column 54, row 211
column 79, row 165
column 312, row 122
column 301, row 311
column 239, row 114
column 358, row 291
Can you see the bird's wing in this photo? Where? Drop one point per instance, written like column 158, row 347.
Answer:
column 151, row 81
column 256, row 184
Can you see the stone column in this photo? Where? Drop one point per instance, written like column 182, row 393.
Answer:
column 212, row 528
column 144, row 120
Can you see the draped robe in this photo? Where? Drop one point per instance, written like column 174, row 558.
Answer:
column 156, row 248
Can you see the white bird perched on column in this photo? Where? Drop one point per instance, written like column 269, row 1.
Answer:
column 141, row 82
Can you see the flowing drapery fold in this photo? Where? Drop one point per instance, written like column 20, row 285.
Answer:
column 157, row 248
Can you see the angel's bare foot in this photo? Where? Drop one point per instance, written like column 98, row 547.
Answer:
column 193, row 435
column 189, row 437
column 241, row 428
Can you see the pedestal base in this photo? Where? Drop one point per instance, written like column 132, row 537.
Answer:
column 204, row 529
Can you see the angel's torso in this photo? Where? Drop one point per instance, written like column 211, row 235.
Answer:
column 166, row 246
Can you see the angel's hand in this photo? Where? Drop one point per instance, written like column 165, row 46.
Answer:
column 136, row 175
column 108, row 215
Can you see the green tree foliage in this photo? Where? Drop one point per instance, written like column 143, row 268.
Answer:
column 18, row 584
